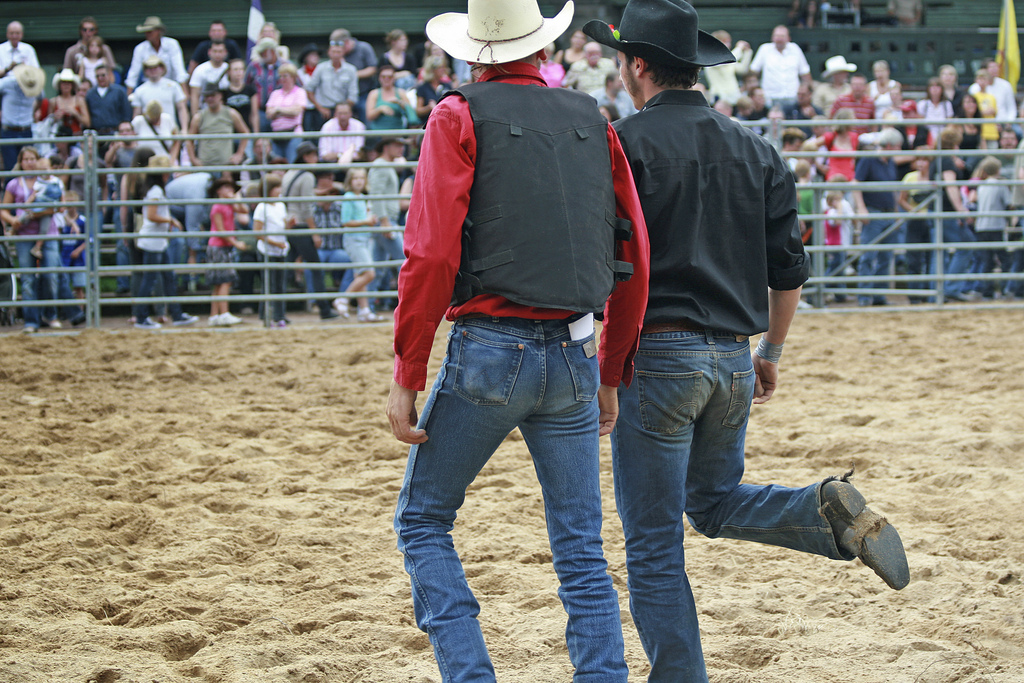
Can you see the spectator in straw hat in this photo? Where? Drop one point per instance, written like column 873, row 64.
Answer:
column 154, row 122
column 682, row 453
column 19, row 93
column 261, row 74
column 835, row 79
column 159, row 45
column 495, row 163
column 68, row 107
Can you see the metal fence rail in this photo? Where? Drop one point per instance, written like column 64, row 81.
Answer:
column 823, row 285
column 102, row 238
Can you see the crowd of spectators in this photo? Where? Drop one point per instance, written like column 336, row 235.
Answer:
column 843, row 111
column 358, row 100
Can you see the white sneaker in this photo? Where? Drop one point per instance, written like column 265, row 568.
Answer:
column 341, row 306
column 368, row 316
column 147, row 324
column 228, row 319
column 216, row 320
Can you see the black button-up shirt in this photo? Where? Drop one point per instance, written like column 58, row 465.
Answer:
column 721, row 211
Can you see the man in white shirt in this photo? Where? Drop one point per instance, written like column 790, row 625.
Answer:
column 1000, row 88
column 158, row 45
column 165, row 91
column 214, row 71
column 14, row 51
column 782, row 66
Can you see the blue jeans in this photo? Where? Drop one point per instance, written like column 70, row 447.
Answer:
column 918, row 232
column 286, row 147
column 1015, row 287
column 149, row 280
column 874, row 262
column 499, row 374
column 835, row 268
column 342, row 278
column 678, row 449
column 29, row 284
column 953, row 230
column 387, row 249
column 10, row 152
column 276, row 285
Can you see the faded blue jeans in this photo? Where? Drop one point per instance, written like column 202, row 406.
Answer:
column 678, row 450
column 499, row 374
column 874, row 262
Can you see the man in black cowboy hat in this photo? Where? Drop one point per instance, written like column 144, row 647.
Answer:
column 726, row 262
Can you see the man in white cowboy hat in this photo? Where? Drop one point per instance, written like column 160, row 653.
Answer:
column 15, row 51
column 721, row 271
column 19, row 91
column 158, row 87
column 782, row 66
column 834, row 83
column 159, row 45
column 522, row 222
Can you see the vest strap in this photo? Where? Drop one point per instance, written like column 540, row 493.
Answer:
column 623, row 229
column 492, row 261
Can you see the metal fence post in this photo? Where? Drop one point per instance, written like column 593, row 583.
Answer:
column 93, row 227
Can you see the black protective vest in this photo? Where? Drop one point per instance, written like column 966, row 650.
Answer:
column 541, row 227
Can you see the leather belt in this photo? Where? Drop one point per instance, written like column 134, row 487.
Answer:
column 19, row 129
column 679, row 326
column 685, row 326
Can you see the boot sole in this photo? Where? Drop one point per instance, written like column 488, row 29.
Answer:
column 867, row 534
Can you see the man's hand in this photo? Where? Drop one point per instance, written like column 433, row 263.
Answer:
column 766, row 380
column 608, row 403
column 401, row 413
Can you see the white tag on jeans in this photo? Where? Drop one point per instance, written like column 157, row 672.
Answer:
column 582, row 328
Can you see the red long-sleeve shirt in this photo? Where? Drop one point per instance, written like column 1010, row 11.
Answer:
column 433, row 247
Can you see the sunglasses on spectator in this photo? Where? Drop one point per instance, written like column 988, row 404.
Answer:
column 338, row 43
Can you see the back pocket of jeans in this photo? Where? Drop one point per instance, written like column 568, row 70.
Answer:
column 585, row 374
column 487, row 369
column 668, row 400
column 741, row 394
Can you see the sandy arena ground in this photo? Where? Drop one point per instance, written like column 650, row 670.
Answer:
column 216, row 506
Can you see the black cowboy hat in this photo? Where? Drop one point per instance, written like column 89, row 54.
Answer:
column 664, row 32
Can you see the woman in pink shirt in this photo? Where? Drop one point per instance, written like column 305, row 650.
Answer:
column 218, row 251
column 285, row 107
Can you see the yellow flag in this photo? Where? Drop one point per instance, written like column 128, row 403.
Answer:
column 1008, row 49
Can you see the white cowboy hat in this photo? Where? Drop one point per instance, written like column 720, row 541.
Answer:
column 836, row 64
column 30, row 79
column 497, row 31
column 66, row 75
column 150, row 24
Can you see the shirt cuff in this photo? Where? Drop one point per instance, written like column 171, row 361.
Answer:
column 410, row 375
column 789, row 278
